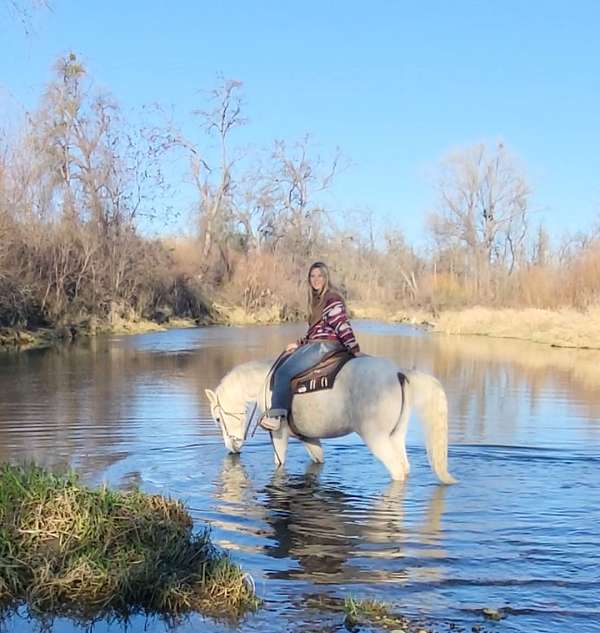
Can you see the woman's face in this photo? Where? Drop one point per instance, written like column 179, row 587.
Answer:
column 317, row 279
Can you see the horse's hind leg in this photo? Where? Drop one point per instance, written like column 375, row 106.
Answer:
column 398, row 435
column 398, row 440
column 400, row 446
column 315, row 450
column 385, row 450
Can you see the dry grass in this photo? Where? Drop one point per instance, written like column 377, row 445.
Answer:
column 391, row 315
column 13, row 338
column 141, row 326
column 367, row 311
column 69, row 550
column 263, row 284
column 561, row 328
column 238, row 315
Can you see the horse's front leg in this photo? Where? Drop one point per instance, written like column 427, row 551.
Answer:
column 279, row 439
column 314, row 449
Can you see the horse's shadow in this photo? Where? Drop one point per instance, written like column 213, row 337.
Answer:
column 334, row 535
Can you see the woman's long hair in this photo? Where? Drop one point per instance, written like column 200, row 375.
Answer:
column 316, row 298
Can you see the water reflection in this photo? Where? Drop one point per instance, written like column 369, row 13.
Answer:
column 506, row 391
column 88, row 405
column 333, row 534
column 521, row 527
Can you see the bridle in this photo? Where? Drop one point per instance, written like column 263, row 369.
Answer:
column 221, row 413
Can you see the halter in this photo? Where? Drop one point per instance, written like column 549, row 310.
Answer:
column 238, row 416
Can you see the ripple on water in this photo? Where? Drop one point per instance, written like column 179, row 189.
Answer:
column 519, row 532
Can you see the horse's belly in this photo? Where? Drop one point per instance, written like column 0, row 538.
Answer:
column 319, row 415
column 317, row 432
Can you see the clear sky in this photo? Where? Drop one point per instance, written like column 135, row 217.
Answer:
column 395, row 85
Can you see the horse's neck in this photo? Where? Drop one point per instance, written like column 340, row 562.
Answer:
column 248, row 380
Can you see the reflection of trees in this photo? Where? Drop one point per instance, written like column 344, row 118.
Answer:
column 75, row 405
column 512, row 380
column 498, row 383
column 88, row 405
column 66, row 403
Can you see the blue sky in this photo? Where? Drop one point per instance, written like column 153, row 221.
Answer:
column 396, row 85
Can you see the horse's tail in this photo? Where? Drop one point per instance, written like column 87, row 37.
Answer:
column 429, row 399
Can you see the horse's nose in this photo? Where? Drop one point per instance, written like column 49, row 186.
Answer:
column 236, row 445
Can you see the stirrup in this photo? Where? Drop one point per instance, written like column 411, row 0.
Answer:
column 271, row 423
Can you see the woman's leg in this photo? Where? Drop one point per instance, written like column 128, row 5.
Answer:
column 305, row 357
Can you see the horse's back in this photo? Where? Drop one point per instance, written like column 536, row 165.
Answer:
column 360, row 385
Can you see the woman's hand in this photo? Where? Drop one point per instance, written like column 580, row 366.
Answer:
column 292, row 347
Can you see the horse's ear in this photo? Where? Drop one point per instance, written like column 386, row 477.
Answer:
column 211, row 395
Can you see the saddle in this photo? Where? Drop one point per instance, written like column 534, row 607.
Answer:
column 319, row 377
column 322, row 375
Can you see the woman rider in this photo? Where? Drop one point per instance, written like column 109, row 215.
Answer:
column 328, row 330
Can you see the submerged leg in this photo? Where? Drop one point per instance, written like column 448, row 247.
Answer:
column 279, row 439
column 384, row 449
column 315, row 450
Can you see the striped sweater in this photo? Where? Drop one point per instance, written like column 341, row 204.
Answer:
column 333, row 324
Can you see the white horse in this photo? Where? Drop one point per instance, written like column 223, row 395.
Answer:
column 371, row 396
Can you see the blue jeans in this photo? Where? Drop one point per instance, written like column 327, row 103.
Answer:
column 305, row 357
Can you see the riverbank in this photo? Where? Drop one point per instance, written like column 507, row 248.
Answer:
column 70, row 550
column 558, row 328
column 17, row 339
column 566, row 328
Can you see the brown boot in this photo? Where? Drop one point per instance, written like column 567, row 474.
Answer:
column 271, row 423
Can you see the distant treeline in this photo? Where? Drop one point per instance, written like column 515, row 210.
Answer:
column 78, row 183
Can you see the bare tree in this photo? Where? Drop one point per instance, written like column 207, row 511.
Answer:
column 541, row 248
column 403, row 260
column 212, row 179
column 298, row 178
column 483, row 206
column 85, row 177
column 222, row 117
column 23, row 11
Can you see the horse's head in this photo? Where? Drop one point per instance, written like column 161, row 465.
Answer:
column 230, row 417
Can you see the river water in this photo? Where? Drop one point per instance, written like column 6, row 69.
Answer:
column 520, row 532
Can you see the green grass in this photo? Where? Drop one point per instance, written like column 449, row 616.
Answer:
column 68, row 550
column 368, row 612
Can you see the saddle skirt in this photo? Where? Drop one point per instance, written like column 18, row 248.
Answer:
column 322, row 375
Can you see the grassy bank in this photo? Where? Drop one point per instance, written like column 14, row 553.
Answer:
column 21, row 340
column 69, row 550
column 218, row 314
column 238, row 315
column 355, row 615
column 559, row 328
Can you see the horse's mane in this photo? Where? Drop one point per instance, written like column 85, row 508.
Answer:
column 242, row 376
